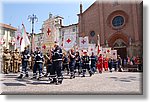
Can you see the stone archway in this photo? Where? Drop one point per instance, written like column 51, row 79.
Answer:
column 117, row 36
column 119, row 42
column 121, row 48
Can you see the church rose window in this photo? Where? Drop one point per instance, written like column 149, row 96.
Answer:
column 92, row 33
column 118, row 21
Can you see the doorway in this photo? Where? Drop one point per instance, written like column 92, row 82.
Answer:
column 121, row 48
column 122, row 52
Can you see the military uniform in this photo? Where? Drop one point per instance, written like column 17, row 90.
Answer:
column 6, row 60
column 11, row 62
column 55, row 72
column 25, row 58
column 16, row 58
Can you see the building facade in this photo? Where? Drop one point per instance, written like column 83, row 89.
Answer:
column 38, row 40
column 118, row 24
column 50, row 30
column 7, row 36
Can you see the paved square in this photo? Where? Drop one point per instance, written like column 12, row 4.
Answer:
column 105, row 83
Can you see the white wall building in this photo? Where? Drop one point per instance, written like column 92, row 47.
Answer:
column 38, row 40
column 7, row 36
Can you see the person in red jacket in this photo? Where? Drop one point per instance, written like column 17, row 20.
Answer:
column 100, row 64
column 105, row 63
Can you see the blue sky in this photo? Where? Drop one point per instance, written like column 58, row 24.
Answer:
column 15, row 13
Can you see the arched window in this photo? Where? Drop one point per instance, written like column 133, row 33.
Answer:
column 119, row 43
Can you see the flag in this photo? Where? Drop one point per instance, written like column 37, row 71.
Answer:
column 24, row 41
column 69, row 41
column 99, row 48
column 83, row 42
column 114, row 54
column 17, row 38
column 91, row 48
column 106, row 52
column 48, row 36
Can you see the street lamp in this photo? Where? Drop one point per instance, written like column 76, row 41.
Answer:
column 32, row 19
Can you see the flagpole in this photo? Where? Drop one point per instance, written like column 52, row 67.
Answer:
column 98, row 44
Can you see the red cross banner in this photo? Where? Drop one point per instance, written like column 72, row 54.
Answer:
column 106, row 52
column 18, row 38
column 91, row 48
column 24, row 38
column 48, row 36
column 83, row 42
column 69, row 41
column 114, row 54
column 48, row 31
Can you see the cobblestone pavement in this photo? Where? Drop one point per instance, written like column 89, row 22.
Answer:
column 105, row 83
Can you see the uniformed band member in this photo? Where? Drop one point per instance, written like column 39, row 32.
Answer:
column 100, row 64
column 38, row 58
column 93, row 62
column 72, row 63
column 65, row 63
column 6, row 60
column 25, row 58
column 55, row 73
column 85, row 62
column 77, row 63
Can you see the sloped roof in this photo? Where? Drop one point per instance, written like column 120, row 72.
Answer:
column 7, row 26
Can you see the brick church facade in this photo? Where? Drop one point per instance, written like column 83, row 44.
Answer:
column 119, row 25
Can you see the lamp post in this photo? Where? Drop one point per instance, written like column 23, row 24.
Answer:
column 32, row 19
